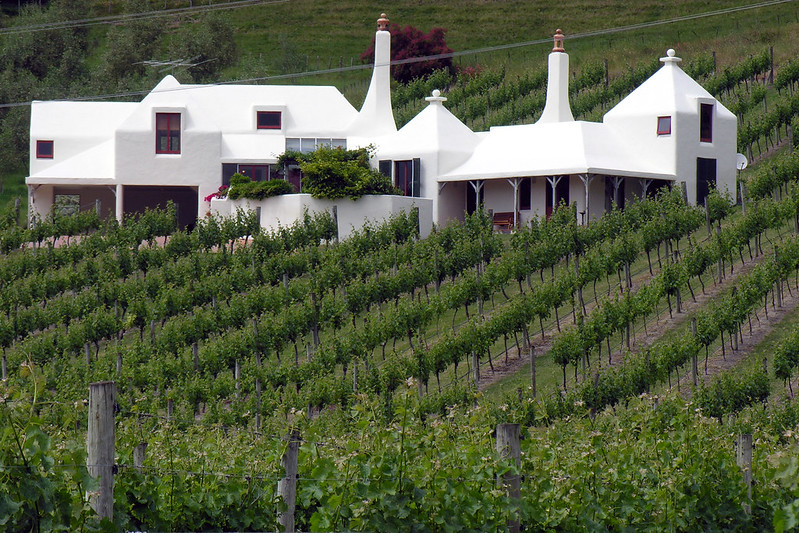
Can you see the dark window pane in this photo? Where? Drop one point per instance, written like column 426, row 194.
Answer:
column 167, row 133
column 228, row 169
column 664, row 125
column 269, row 120
column 403, row 177
column 525, row 194
column 706, row 123
column 44, row 149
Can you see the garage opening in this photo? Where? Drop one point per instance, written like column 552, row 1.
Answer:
column 138, row 198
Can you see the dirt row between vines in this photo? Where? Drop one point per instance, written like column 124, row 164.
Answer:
column 655, row 329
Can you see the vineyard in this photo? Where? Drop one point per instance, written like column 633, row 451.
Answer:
column 233, row 349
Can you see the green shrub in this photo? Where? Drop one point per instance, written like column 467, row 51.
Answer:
column 244, row 187
column 335, row 173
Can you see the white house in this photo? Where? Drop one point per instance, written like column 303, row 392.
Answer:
column 182, row 142
column 669, row 130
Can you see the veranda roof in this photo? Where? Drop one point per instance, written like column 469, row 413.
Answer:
column 553, row 149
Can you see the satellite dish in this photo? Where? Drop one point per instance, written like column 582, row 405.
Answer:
column 740, row 161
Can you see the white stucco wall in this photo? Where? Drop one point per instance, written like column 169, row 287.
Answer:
column 451, row 203
column 286, row 209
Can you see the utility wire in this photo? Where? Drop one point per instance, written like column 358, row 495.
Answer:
column 495, row 48
column 144, row 15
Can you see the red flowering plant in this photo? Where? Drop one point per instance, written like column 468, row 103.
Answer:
column 221, row 193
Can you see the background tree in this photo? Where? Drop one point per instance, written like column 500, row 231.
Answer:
column 410, row 42
column 134, row 42
column 209, row 45
column 39, row 65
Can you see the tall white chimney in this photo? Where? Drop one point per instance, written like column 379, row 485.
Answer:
column 557, row 107
column 376, row 116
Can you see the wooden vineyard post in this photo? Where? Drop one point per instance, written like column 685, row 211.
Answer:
column 694, row 361
column 237, row 377
column 5, row 368
column 532, row 367
column 778, row 285
column 720, row 267
column 287, row 487
column 100, row 446
column 509, row 447
column 743, row 449
column 258, row 391
column 743, row 199
column 139, row 453
column 476, row 368
column 119, row 363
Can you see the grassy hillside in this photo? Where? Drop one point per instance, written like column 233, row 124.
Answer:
column 299, row 36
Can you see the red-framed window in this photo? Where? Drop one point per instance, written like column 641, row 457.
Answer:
column 664, row 125
column 269, row 120
column 255, row 172
column 167, row 133
column 706, row 123
column 44, row 149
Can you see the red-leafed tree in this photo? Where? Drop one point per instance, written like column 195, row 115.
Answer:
column 410, row 42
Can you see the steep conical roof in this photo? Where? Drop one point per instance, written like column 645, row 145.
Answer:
column 667, row 91
column 436, row 129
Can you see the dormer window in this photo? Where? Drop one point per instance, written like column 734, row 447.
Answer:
column 167, row 133
column 706, row 123
column 269, row 120
column 664, row 125
column 44, row 149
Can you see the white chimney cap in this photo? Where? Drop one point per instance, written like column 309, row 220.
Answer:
column 436, row 98
column 670, row 57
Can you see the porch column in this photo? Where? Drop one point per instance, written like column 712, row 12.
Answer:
column 617, row 181
column 553, row 181
column 31, row 203
column 119, row 204
column 515, row 182
column 477, row 185
column 645, row 183
column 586, row 179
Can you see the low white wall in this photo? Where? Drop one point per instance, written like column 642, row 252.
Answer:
column 286, row 209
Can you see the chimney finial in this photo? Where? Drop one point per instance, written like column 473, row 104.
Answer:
column 671, row 57
column 559, row 41
column 436, row 98
column 382, row 22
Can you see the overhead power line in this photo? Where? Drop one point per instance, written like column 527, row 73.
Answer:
column 128, row 17
column 495, row 48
